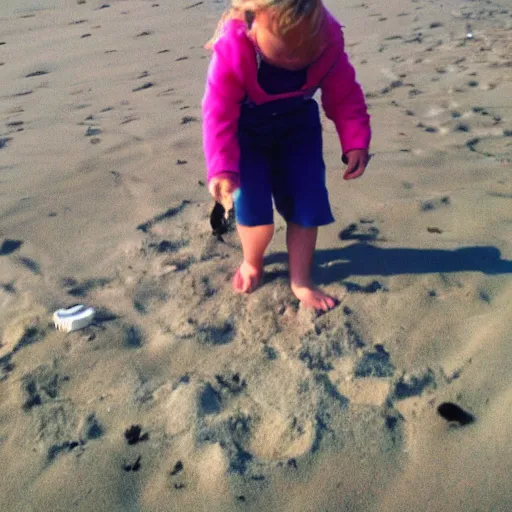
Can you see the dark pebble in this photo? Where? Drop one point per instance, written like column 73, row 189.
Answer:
column 9, row 246
column 462, row 127
column 177, row 468
column 147, row 85
column 453, row 413
column 132, row 435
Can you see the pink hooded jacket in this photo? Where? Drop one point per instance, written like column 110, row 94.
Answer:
column 232, row 77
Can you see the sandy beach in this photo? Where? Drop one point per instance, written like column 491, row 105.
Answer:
column 183, row 396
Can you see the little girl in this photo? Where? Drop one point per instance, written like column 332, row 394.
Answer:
column 262, row 132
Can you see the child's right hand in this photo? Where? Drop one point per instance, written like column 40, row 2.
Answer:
column 222, row 188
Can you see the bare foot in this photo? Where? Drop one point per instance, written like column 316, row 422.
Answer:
column 246, row 278
column 314, row 298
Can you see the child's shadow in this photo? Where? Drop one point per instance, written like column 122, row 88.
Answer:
column 368, row 260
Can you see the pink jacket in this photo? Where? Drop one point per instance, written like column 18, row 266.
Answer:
column 232, row 76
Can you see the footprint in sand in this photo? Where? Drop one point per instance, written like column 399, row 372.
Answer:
column 276, row 437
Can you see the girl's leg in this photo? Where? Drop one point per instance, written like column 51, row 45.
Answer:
column 255, row 241
column 301, row 247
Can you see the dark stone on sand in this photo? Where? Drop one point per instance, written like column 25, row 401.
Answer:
column 178, row 468
column 180, row 162
column 133, row 435
column 473, row 83
column 36, row 73
column 14, row 124
column 184, row 379
column 453, row 413
column 144, row 33
column 436, row 24
column 375, row 364
column 83, row 36
column 191, row 6
column 188, row 119
column 241, row 498
column 471, row 143
column 507, row 133
column 434, row 230
column 92, row 131
column 431, row 129
column 219, row 223
column 462, row 127
column 9, row 246
column 147, row 85
column 23, row 93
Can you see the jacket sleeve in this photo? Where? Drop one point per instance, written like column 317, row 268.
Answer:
column 344, row 103
column 221, row 106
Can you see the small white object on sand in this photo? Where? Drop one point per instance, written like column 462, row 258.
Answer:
column 73, row 318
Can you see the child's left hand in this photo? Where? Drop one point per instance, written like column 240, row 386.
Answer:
column 356, row 161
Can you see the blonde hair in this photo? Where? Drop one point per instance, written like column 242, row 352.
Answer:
column 285, row 15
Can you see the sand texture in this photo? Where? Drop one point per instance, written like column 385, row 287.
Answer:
column 184, row 396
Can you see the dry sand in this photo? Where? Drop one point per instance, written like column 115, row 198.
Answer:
column 250, row 403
